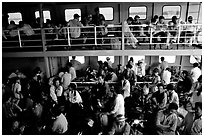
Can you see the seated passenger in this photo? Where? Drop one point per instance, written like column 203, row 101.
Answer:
column 138, row 30
column 102, row 31
column 12, row 27
column 75, row 24
column 166, row 120
column 160, row 97
column 120, row 127
column 189, row 31
column 131, row 40
column 26, row 28
column 161, row 30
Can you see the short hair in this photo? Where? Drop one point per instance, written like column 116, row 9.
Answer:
column 129, row 19
column 162, row 58
column 190, row 17
column 173, row 106
column 174, row 18
column 198, row 104
column 170, row 87
column 160, row 84
column 73, row 85
column 195, row 64
column 168, row 69
column 185, row 72
column 161, row 17
column 96, row 9
column 155, row 70
column 155, row 17
column 73, row 57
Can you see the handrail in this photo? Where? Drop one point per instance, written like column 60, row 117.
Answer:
column 114, row 34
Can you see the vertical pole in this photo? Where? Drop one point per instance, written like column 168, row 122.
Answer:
column 68, row 37
column 123, row 45
column 44, row 42
column 95, row 38
column 150, row 41
column 19, row 38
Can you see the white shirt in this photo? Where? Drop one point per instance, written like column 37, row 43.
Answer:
column 166, row 77
column 119, row 106
column 66, row 80
column 76, row 30
column 52, row 93
column 74, row 98
column 195, row 74
column 72, row 72
column 174, row 98
column 126, row 88
column 195, row 98
column 60, row 125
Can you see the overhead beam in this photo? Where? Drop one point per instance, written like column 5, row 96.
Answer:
column 104, row 53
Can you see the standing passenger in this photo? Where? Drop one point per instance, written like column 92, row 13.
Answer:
column 75, row 25
column 97, row 17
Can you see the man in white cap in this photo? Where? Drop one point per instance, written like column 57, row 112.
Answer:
column 120, row 127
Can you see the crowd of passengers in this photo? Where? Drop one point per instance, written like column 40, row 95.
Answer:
column 161, row 32
column 58, row 105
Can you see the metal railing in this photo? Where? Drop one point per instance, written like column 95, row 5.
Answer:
column 109, row 37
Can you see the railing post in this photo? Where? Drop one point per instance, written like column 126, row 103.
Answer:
column 95, row 38
column 123, row 45
column 19, row 38
column 179, row 33
column 68, row 37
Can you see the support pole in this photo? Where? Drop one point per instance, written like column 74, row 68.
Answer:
column 47, row 70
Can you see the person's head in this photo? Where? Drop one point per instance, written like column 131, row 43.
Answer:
column 76, row 16
column 161, row 19
column 195, row 65
column 12, row 22
column 89, row 17
column 131, row 58
column 190, row 19
column 168, row 69
column 174, row 19
column 170, row 87
column 97, row 10
column 173, row 107
column 18, row 80
column 107, row 58
column 73, row 86
column 73, row 57
column 56, row 82
column 171, row 25
column 21, row 23
column 155, row 89
column 185, row 73
column 100, row 79
column 156, row 17
column 120, row 119
column 137, row 18
column 156, row 71
column 162, row 58
column 198, row 109
column 160, row 87
column 129, row 20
